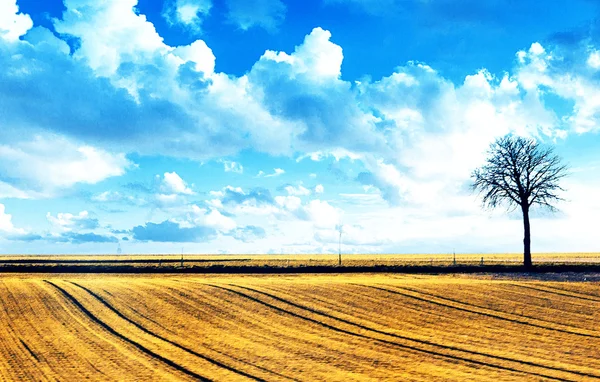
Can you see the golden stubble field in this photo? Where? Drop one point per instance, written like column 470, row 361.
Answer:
column 298, row 260
column 361, row 327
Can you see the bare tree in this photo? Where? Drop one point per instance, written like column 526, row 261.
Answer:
column 519, row 172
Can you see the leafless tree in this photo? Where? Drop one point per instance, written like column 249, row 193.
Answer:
column 520, row 173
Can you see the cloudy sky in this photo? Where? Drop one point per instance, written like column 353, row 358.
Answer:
column 260, row 126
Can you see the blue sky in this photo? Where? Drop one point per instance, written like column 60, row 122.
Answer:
column 263, row 126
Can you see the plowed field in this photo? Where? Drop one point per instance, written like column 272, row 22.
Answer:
column 305, row 327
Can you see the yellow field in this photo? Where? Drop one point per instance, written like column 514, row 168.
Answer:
column 308, row 327
column 294, row 260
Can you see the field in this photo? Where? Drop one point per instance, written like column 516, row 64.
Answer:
column 366, row 327
column 200, row 262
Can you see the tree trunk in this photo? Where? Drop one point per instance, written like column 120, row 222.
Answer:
column 527, row 239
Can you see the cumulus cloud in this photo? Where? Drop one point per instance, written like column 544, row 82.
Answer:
column 319, row 189
column 267, row 14
column 188, row 13
column 70, row 222
column 138, row 89
column 320, row 213
column 173, row 184
column 212, row 218
column 109, row 115
column 110, row 33
column 32, row 174
column 6, row 224
column 384, row 176
column 12, row 23
column 167, row 99
column 428, row 120
column 290, row 203
column 67, row 229
column 288, row 102
column 305, row 88
column 568, row 75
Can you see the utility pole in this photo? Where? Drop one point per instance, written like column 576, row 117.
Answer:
column 119, row 251
column 181, row 257
column 340, row 248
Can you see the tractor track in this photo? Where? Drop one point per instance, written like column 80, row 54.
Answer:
column 137, row 345
column 391, row 343
column 491, row 315
column 423, row 342
column 562, row 292
column 177, row 345
column 489, row 309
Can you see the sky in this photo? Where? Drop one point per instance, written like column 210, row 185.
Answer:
column 267, row 126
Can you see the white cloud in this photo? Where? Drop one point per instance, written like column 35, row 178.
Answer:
column 189, row 13
column 304, row 88
column 199, row 114
column 571, row 80
column 173, row 184
column 317, row 56
column 291, row 203
column 68, row 222
column 167, row 200
column 110, row 32
column 536, row 49
column 26, row 162
column 320, row 213
column 231, row 166
column 6, row 224
column 392, row 184
column 12, row 23
column 200, row 54
column 594, row 60
column 212, row 218
column 319, row 189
